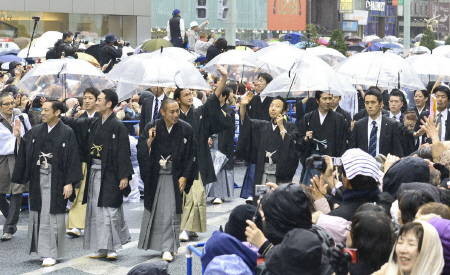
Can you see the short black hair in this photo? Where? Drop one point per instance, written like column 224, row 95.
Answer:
column 5, row 94
column 442, row 88
column 94, row 91
column 376, row 92
column 111, row 95
column 226, row 92
column 56, row 105
column 221, row 43
column 409, row 202
column 37, row 102
column 12, row 89
column 397, row 93
column 444, row 196
column 67, row 34
column 166, row 102
column 318, row 94
column 233, row 86
column 285, row 104
column 267, row 77
column 425, row 93
column 430, row 86
column 242, row 88
column 417, row 229
column 177, row 93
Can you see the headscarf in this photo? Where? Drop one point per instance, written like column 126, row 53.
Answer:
column 430, row 260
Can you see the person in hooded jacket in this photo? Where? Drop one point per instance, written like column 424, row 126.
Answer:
column 286, row 208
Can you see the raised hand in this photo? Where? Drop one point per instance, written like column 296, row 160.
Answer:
column 17, row 128
column 222, row 70
column 247, row 98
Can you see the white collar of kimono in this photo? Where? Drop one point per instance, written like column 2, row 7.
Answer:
column 51, row 128
column 169, row 128
column 103, row 121
column 181, row 110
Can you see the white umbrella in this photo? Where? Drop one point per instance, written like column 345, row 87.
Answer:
column 329, row 55
column 369, row 38
column 281, row 56
column 420, row 50
column 430, row 67
column 63, row 77
column 179, row 53
column 385, row 70
column 236, row 64
column 156, row 69
column 34, row 52
column 47, row 40
column 390, row 38
column 442, row 50
column 308, row 74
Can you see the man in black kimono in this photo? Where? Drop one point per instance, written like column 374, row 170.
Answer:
column 258, row 108
column 167, row 159
column 48, row 158
column 77, row 214
column 224, row 143
column 276, row 142
column 206, row 120
column 375, row 133
column 105, row 139
column 322, row 132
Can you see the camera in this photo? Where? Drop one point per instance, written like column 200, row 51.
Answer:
column 351, row 254
column 74, row 110
column 262, row 190
column 36, row 18
column 83, row 41
column 126, row 43
column 318, row 162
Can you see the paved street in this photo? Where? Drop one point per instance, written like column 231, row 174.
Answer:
column 15, row 260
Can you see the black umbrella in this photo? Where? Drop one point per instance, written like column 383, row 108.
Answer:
column 356, row 48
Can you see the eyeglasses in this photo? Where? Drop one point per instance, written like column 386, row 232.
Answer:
column 9, row 104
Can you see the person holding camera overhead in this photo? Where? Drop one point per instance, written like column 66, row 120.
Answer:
column 111, row 50
column 322, row 132
column 67, row 46
column 276, row 141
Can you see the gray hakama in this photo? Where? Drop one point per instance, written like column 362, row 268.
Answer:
column 106, row 229
column 160, row 227
column 47, row 232
column 224, row 186
column 269, row 173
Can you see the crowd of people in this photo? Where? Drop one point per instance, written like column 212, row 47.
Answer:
column 373, row 196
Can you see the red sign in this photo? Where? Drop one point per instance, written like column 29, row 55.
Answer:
column 394, row 2
column 5, row 39
column 288, row 15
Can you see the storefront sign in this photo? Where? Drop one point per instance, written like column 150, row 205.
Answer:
column 349, row 26
column 5, row 39
column 359, row 15
column 440, row 12
column 346, row 6
column 375, row 5
column 286, row 15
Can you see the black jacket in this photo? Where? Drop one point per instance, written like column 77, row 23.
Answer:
column 68, row 49
column 146, row 111
column 212, row 52
column 109, row 54
column 390, row 141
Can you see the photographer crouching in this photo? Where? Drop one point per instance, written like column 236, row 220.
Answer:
column 67, row 46
column 110, row 51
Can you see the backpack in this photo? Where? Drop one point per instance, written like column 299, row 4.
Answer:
column 52, row 54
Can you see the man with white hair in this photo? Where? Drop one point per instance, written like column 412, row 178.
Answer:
column 194, row 33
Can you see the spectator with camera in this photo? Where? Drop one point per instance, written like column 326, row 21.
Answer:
column 110, row 51
column 67, row 46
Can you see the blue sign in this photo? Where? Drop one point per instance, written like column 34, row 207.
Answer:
column 349, row 26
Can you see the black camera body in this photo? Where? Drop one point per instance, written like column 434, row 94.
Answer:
column 316, row 162
column 83, row 41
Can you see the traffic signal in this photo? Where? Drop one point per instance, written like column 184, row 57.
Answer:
column 222, row 9
column 202, row 9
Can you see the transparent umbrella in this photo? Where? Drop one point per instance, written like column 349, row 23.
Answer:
column 308, row 74
column 430, row 67
column 369, row 38
column 35, row 52
column 385, row 70
column 329, row 55
column 442, row 50
column 156, row 69
column 237, row 66
column 62, row 78
column 47, row 40
column 420, row 50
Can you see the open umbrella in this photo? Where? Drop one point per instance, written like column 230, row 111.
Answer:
column 47, row 40
column 442, row 50
column 156, row 69
column 356, row 48
column 259, row 43
column 11, row 52
column 35, row 52
column 430, row 67
column 369, row 38
column 237, row 66
column 308, row 74
column 155, row 44
column 11, row 58
column 420, row 50
column 385, row 70
column 65, row 77
column 89, row 58
column 244, row 43
column 181, row 54
column 390, row 38
column 384, row 45
column 329, row 55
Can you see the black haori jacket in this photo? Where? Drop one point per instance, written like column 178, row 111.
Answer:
column 66, row 165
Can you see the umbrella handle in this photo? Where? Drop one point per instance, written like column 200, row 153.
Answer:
column 174, row 76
